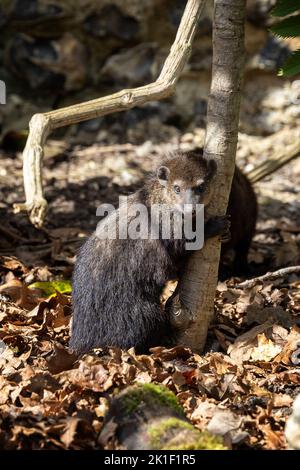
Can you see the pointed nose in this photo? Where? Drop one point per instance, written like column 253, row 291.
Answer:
column 189, row 197
column 189, row 201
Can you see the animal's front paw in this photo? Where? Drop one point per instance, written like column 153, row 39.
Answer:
column 218, row 226
column 225, row 234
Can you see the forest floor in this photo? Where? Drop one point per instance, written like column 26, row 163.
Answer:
column 244, row 385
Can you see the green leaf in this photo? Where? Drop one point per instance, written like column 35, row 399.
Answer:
column 288, row 28
column 50, row 288
column 285, row 7
column 291, row 66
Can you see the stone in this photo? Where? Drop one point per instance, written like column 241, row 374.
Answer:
column 110, row 21
column 45, row 64
column 130, row 66
column 292, row 428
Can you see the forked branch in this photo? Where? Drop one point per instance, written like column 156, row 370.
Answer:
column 42, row 124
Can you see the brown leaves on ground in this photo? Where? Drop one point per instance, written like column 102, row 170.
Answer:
column 50, row 399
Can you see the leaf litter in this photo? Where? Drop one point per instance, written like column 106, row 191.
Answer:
column 242, row 388
column 50, row 399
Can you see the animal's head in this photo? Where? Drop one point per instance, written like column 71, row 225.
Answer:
column 186, row 178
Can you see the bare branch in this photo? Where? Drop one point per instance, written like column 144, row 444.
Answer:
column 273, row 164
column 270, row 276
column 42, row 124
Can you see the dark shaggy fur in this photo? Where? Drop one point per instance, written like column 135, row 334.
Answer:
column 242, row 208
column 117, row 284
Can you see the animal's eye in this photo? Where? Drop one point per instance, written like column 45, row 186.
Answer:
column 200, row 188
column 177, row 189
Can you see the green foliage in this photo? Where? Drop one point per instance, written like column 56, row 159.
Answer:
column 291, row 66
column 150, row 394
column 288, row 28
column 285, row 7
column 51, row 288
column 197, row 440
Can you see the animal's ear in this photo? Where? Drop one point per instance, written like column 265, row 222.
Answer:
column 163, row 175
column 211, row 169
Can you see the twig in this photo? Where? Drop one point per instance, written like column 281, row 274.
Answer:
column 273, row 164
column 105, row 149
column 10, row 233
column 42, row 124
column 270, row 276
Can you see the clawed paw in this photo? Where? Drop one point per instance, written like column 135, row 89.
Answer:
column 219, row 226
column 225, row 234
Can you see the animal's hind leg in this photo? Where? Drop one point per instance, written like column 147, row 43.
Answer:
column 240, row 262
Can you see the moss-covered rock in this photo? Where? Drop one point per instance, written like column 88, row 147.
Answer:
column 148, row 416
column 175, row 434
column 151, row 395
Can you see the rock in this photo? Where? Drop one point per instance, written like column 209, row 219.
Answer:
column 110, row 21
column 268, row 104
column 272, row 56
column 191, row 98
column 148, row 416
column 17, row 111
column 43, row 64
column 62, row 46
column 35, row 10
column 39, row 18
column 3, row 17
column 130, row 66
column 292, row 428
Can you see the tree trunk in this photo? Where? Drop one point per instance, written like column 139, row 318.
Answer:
column 198, row 284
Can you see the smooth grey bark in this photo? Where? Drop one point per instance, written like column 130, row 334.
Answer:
column 198, row 285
